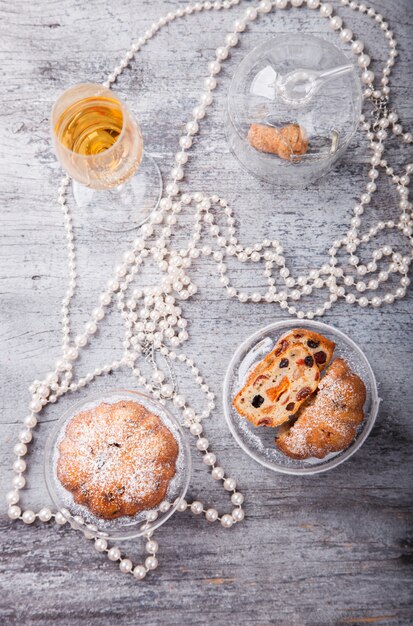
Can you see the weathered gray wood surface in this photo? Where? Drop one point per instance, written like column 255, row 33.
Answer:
column 332, row 549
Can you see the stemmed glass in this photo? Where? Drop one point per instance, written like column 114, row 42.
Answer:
column 99, row 144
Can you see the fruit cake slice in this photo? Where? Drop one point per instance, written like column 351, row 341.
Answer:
column 272, row 394
column 320, row 348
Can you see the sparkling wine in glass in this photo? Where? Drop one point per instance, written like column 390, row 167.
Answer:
column 99, row 144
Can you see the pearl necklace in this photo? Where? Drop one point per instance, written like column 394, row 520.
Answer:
column 153, row 319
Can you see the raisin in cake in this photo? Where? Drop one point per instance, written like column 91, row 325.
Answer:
column 328, row 422
column 117, row 459
column 274, row 392
column 320, row 348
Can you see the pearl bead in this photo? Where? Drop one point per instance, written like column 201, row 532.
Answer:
column 152, row 547
column 125, row 565
column 30, row 421
column 12, row 497
column 218, row 473
column 182, row 506
column 367, row 77
column 281, row 4
column 151, row 562
column 227, row 521
column 237, row 498
column 230, row 484
column 231, row 40
column 357, row 47
column 196, row 507
column 364, row 60
column 238, row 515
column 346, row 35
column 167, row 390
column 152, row 516
column 25, row 436
column 313, row 4
column 139, row 572
column 28, row 517
column 164, row 506
column 326, row 9
column 265, row 6
column 211, row 515
column 14, row 512
column 20, row 449
column 251, row 14
column 100, row 545
column 114, row 554
column 209, row 459
column 336, row 22
column 196, row 429
column 45, row 514
column 60, row 519
column 202, row 444
column 19, row 482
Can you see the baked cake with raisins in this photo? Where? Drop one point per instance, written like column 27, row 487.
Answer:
column 274, row 392
column 320, row 348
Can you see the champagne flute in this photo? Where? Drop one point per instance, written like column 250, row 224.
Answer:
column 100, row 145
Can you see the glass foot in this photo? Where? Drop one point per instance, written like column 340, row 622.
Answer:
column 125, row 207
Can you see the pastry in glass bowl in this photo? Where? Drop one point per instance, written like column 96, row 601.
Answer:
column 318, row 411
column 117, row 459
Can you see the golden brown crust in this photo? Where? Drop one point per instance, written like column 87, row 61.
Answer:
column 329, row 420
column 117, row 459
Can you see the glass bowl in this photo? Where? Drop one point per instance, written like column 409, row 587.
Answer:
column 284, row 81
column 258, row 442
column 125, row 527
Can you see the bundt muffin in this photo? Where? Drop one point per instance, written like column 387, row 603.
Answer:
column 329, row 420
column 117, row 459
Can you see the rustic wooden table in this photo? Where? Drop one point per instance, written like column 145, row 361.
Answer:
column 331, row 549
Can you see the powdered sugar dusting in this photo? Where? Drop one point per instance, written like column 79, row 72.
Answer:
column 136, row 462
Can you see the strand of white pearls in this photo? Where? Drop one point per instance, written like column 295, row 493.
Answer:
column 61, row 381
column 152, row 316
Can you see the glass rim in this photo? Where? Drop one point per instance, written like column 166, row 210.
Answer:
column 113, row 95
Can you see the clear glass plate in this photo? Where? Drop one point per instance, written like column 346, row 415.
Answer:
column 123, row 527
column 258, row 442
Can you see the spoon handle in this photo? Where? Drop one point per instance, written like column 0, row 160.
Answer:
column 336, row 71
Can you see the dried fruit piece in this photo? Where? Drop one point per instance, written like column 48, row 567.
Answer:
column 257, row 401
column 320, row 357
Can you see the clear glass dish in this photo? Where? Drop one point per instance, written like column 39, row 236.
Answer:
column 258, row 442
column 268, row 88
column 123, row 527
